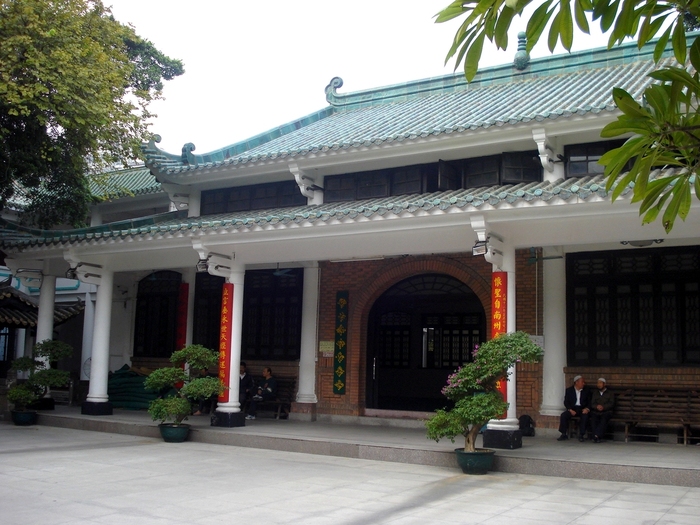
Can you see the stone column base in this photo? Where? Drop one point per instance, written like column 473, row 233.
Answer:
column 303, row 411
column 509, row 439
column 95, row 408
column 228, row 419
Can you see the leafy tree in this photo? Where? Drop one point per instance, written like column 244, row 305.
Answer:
column 665, row 127
column 75, row 86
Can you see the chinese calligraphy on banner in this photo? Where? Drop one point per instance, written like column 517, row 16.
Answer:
column 499, row 321
column 341, row 337
column 225, row 339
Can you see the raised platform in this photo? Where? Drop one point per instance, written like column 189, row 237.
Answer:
column 404, row 441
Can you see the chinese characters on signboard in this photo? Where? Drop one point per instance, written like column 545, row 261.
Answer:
column 341, row 338
column 499, row 301
column 225, row 339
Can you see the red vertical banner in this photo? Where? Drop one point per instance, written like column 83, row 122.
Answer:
column 499, row 299
column 499, row 314
column 225, row 339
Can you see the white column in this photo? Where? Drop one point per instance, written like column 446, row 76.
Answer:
column 47, row 298
column 237, row 278
column 309, row 331
column 190, row 277
column 554, row 333
column 99, row 370
column 511, row 420
column 20, row 337
column 88, row 332
column 20, row 347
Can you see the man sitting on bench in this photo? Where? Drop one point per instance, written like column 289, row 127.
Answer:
column 577, row 399
column 602, row 404
column 266, row 390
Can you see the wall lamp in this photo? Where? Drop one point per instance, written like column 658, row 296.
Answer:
column 202, row 265
column 480, row 248
column 642, row 243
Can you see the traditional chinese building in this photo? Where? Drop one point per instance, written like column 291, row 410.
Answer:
column 366, row 249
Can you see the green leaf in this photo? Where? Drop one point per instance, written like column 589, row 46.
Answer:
column 673, row 208
column 453, row 10
column 566, row 24
column 471, row 63
column 502, row 26
column 695, row 54
column 627, row 104
column 608, row 15
column 626, row 125
column 657, row 97
column 654, row 191
column 641, row 170
column 686, row 199
column 537, row 23
column 660, row 46
column 553, row 33
column 679, row 43
column 580, row 15
column 647, row 30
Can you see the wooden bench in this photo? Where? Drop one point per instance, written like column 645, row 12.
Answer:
column 286, row 393
column 657, row 408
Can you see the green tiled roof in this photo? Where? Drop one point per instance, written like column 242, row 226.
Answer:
column 550, row 88
column 473, row 199
column 132, row 181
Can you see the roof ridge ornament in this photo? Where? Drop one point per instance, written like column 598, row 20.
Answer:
column 522, row 57
column 187, row 155
column 331, row 94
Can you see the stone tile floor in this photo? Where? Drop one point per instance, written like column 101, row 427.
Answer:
column 54, row 475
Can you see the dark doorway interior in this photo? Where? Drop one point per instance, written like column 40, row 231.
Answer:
column 420, row 330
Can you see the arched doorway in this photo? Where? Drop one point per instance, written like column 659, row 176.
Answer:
column 419, row 331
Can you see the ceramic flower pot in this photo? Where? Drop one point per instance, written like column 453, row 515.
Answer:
column 24, row 418
column 173, row 433
column 478, row 462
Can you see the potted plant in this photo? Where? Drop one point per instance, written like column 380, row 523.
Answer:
column 476, row 399
column 41, row 377
column 181, row 386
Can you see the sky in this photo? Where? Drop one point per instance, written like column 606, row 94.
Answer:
column 253, row 65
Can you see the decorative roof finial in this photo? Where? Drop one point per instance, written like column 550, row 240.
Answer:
column 335, row 83
column 522, row 58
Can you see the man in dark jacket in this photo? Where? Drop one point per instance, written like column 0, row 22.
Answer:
column 577, row 400
column 266, row 390
column 602, row 403
column 246, row 384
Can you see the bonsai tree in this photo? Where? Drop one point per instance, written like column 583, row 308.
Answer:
column 472, row 387
column 41, row 376
column 182, row 387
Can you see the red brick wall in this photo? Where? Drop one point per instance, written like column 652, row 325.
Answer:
column 367, row 281
column 633, row 376
column 529, row 307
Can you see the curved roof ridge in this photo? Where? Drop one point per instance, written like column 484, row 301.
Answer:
column 156, row 157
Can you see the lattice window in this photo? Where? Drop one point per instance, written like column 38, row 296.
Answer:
column 156, row 314
column 272, row 314
column 394, row 339
column 645, row 310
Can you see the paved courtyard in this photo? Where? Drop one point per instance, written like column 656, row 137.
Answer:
column 54, row 475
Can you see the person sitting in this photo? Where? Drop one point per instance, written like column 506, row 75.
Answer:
column 266, row 390
column 246, row 384
column 577, row 401
column 602, row 403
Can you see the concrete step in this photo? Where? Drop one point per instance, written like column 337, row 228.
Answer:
column 385, row 440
